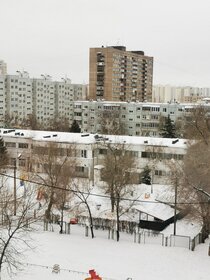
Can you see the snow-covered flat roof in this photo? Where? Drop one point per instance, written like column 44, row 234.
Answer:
column 87, row 138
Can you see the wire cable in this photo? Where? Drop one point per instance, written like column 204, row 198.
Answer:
column 101, row 195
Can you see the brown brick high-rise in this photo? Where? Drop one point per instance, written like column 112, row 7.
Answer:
column 120, row 75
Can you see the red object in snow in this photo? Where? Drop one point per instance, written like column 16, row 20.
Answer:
column 93, row 275
column 73, row 221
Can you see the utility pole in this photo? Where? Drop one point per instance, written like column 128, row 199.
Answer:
column 175, row 206
column 15, row 194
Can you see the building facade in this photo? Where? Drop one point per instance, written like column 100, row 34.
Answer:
column 24, row 99
column 133, row 118
column 24, row 147
column 18, row 96
column 119, row 75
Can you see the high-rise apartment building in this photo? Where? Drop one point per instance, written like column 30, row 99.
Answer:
column 119, row 75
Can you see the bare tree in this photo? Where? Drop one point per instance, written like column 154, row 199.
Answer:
column 3, row 154
column 14, row 233
column 117, row 173
column 110, row 123
column 197, row 124
column 57, row 165
column 197, row 181
column 82, row 190
column 9, row 121
column 155, row 156
column 58, row 123
column 196, row 164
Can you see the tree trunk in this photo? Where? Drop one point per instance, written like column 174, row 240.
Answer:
column 112, row 198
column 48, row 211
column 118, row 219
column 4, row 251
column 91, row 220
column 61, row 224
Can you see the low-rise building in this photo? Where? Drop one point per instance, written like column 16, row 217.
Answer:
column 91, row 149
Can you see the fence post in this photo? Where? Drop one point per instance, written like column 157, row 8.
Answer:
column 112, row 233
column 193, row 244
column 109, row 233
column 139, row 238
column 166, row 241
column 86, row 230
column 45, row 226
column 69, row 230
column 134, row 233
column 209, row 250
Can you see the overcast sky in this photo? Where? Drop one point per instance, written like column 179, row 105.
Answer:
column 54, row 36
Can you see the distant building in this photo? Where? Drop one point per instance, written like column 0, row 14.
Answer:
column 168, row 93
column 3, row 68
column 119, row 75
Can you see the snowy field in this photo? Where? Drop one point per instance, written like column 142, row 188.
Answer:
column 112, row 260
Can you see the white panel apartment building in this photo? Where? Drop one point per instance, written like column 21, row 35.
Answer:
column 64, row 97
column 137, row 119
column 43, row 100
column 22, row 97
column 18, row 95
column 2, row 100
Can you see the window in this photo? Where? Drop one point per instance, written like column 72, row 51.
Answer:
column 145, row 108
column 102, row 151
column 23, row 145
column 160, row 173
column 80, row 169
column 22, row 162
column 10, row 144
column 132, row 153
column 83, row 153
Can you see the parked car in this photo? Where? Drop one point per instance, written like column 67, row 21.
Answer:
column 73, row 221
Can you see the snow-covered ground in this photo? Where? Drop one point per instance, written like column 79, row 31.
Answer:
column 77, row 254
column 110, row 259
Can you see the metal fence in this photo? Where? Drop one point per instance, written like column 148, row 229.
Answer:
column 149, row 237
column 129, row 232
column 196, row 241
